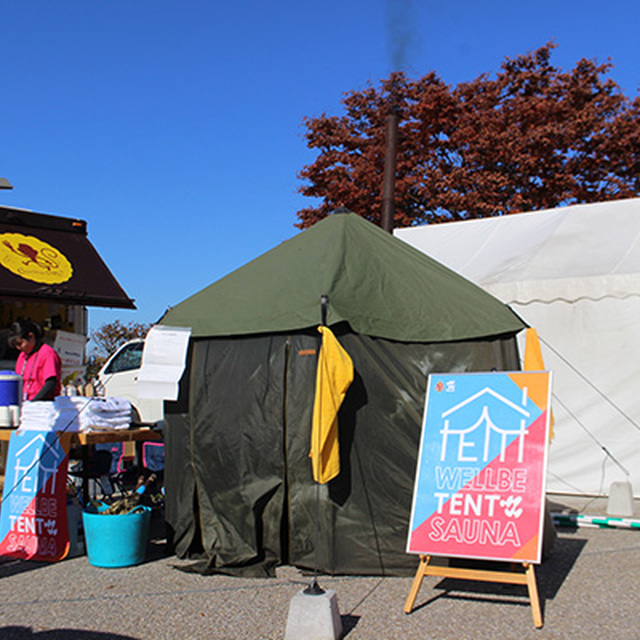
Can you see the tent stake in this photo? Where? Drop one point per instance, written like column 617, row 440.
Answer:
column 314, row 589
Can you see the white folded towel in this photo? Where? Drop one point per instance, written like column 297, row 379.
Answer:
column 76, row 413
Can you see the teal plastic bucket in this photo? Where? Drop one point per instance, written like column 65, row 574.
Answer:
column 116, row 540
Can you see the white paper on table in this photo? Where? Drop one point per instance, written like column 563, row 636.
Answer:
column 163, row 361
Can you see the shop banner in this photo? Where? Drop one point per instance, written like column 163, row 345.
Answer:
column 480, row 480
column 33, row 518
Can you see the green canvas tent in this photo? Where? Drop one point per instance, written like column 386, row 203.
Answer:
column 240, row 493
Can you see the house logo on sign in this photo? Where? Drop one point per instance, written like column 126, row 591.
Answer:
column 469, row 427
column 24, row 463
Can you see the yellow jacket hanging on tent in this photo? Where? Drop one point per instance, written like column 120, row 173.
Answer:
column 333, row 377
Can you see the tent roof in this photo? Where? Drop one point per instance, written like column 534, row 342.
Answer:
column 580, row 251
column 379, row 285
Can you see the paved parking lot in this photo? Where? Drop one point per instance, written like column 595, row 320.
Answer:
column 588, row 587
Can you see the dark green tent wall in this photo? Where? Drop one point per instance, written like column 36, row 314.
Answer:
column 240, row 495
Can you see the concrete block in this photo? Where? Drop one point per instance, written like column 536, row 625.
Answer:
column 620, row 501
column 314, row 617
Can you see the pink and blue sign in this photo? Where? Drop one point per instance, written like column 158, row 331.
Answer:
column 33, row 518
column 480, row 480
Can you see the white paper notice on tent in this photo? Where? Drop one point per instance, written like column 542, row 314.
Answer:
column 163, row 361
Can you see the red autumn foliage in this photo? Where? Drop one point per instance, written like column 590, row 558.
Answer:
column 533, row 137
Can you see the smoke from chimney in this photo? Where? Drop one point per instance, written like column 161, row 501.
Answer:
column 399, row 39
column 400, row 32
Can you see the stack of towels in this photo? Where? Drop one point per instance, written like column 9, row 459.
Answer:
column 76, row 413
column 102, row 414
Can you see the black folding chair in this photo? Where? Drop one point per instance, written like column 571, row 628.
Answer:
column 96, row 474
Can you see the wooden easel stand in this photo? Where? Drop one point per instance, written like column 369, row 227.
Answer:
column 527, row 578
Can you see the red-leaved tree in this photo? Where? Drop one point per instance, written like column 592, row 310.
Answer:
column 532, row 137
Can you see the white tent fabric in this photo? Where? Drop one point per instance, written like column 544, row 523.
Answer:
column 574, row 274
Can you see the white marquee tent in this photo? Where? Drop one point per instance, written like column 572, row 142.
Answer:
column 573, row 273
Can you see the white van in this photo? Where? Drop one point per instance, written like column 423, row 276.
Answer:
column 118, row 377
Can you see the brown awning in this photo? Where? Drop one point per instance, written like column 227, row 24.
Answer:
column 49, row 258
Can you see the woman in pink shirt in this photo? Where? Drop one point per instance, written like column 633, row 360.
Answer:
column 38, row 364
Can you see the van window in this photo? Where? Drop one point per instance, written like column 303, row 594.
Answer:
column 130, row 357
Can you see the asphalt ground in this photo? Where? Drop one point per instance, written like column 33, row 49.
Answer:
column 588, row 588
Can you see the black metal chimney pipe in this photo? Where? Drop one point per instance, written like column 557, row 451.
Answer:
column 390, row 161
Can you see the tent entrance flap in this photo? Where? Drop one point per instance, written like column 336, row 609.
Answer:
column 235, row 435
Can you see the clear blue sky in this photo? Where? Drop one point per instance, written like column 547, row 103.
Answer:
column 174, row 127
